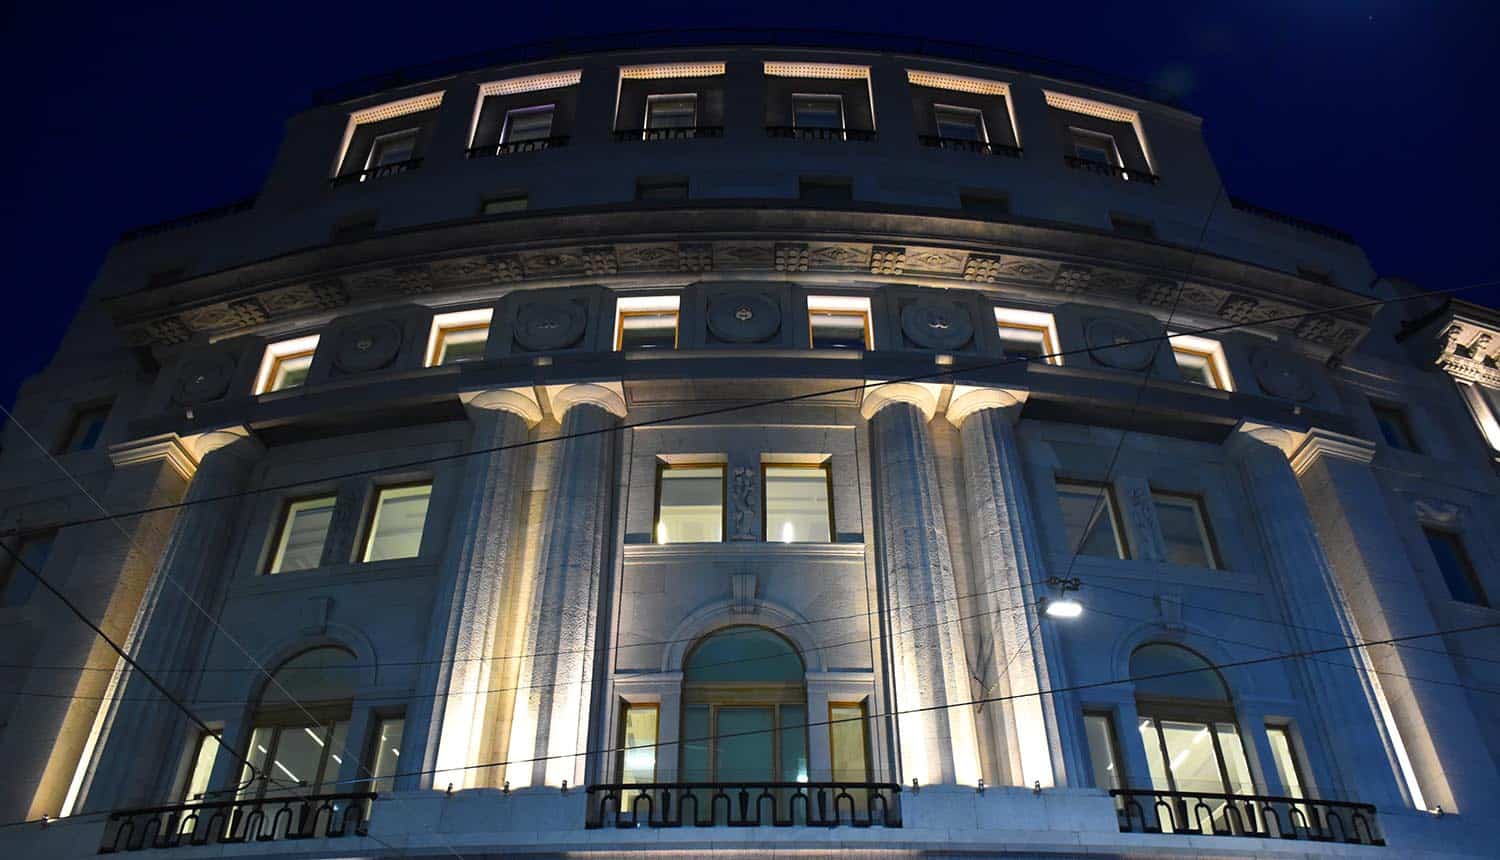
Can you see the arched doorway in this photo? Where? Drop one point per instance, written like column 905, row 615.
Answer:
column 301, row 725
column 744, row 709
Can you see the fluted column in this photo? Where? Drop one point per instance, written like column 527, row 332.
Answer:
column 1343, row 698
column 483, row 542
column 141, row 731
column 935, row 725
column 1010, row 573
column 1435, row 720
column 549, row 731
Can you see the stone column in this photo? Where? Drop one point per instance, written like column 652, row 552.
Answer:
column 1010, row 573
column 484, row 541
column 1342, row 700
column 935, row 725
column 141, row 731
column 1436, row 722
column 103, row 567
column 549, row 732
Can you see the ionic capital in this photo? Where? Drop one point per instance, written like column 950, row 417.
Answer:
column 968, row 399
column 923, row 395
column 518, row 401
column 609, row 396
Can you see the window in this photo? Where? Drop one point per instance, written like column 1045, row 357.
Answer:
column 1394, row 428
column 304, row 528
column 458, row 336
column 1027, row 334
column 1484, row 402
column 1135, row 228
column 646, row 322
column 529, row 123
column 817, row 111
column 677, row 110
column 960, row 123
column 1285, row 757
column 690, row 503
column 502, row 204
column 396, row 525
column 638, row 732
column 286, row 364
column 393, row 148
column 301, row 726
column 202, row 768
column 1094, row 146
column 661, row 189
column 19, row 581
column 849, row 742
column 87, row 427
column 1201, row 361
column 1458, row 571
column 1089, row 517
column 796, row 503
column 386, row 754
column 1104, row 754
column 1184, row 529
column 833, row 190
column 839, row 322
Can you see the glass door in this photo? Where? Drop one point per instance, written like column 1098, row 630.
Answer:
column 1198, row 757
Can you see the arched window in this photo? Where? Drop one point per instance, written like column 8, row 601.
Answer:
column 744, row 713
column 301, row 724
column 1187, row 722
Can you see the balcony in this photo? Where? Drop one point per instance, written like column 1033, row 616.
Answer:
column 686, row 132
column 962, row 144
column 512, row 147
column 793, row 132
column 1129, row 174
column 227, row 822
column 744, row 804
column 1199, row 814
column 383, row 170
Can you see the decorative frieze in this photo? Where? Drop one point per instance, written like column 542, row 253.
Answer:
column 982, row 268
column 1470, row 350
column 887, row 260
column 791, row 257
column 600, row 261
column 1073, row 279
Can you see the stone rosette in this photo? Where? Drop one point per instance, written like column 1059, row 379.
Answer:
column 937, row 324
column 743, row 316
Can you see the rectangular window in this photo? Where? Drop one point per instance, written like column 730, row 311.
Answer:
column 1103, row 751
column 202, row 768
column 385, row 758
column 1458, row 571
column 304, row 528
column 300, row 758
column 848, row 742
column 690, row 503
column 393, row 148
column 396, row 525
column 675, row 110
column 797, row 508
column 1395, row 429
column 1201, row 361
column 1185, row 530
column 1286, row 761
column 503, row 204
column 1028, row 334
column 1089, row 517
column 638, row 727
column 839, row 322
column 1094, row 146
column 960, row 123
column 646, row 322
column 19, row 582
column 817, row 111
column 529, row 123
column 87, row 427
column 285, row 364
column 458, row 336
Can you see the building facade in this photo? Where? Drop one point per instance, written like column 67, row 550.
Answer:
column 705, row 448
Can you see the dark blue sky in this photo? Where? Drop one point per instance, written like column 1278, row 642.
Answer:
column 1375, row 117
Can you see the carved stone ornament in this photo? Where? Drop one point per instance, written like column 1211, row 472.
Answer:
column 743, row 316
column 746, row 508
column 936, row 324
column 367, row 346
column 1119, row 344
column 203, row 378
column 543, row 325
column 1280, row 376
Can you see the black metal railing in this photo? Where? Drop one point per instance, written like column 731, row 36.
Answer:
column 383, row 170
column 1290, row 220
column 537, row 144
column 214, row 214
column 686, row 132
column 318, row 816
column 1203, row 814
column 1129, row 174
column 744, row 804
column 794, row 132
column 962, row 144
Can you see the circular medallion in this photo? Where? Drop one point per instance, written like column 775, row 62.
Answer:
column 1120, row 344
column 936, row 324
column 367, row 346
column 743, row 316
column 542, row 326
column 1279, row 375
column 203, row 378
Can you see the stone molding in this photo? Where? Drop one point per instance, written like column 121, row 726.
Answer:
column 204, row 444
column 1470, row 350
column 1246, row 433
column 169, row 447
column 520, row 401
column 923, row 395
column 968, row 399
column 1318, row 443
column 609, row 396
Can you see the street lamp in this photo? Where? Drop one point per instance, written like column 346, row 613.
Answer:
column 1063, row 606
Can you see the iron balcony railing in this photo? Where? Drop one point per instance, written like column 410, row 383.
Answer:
column 687, row 132
column 1129, row 174
column 961, row 144
column 1204, row 814
column 744, row 804
column 317, row 816
column 1290, row 220
column 512, row 147
column 863, row 135
column 383, row 170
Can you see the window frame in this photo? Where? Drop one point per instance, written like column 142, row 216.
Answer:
column 367, row 534
column 453, row 322
column 1468, row 570
column 864, row 729
column 662, row 466
column 1115, row 750
column 372, row 745
column 653, row 98
column 1074, row 133
column 650, row 305
column 81, row 416
column 843, row 125
column 184, row 793
column 826, row 466
column 280, row 535
column 1022, row 319
column 1205, row 528
column 976, row 113
column 840, row 306
column 276, row 354
column 1122, row 541
column 625, row 707
column 1299, row 768
column 505, row 125
column 414, row 132
column 1402, row 420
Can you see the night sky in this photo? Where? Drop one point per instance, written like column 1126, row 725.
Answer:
column 1379, row 118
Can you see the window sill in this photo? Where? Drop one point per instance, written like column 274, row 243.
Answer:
column 354, row 573
column 656, row 552
column 1113, row 571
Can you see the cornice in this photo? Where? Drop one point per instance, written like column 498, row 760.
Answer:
column 167, row 447
column 1319, row 443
